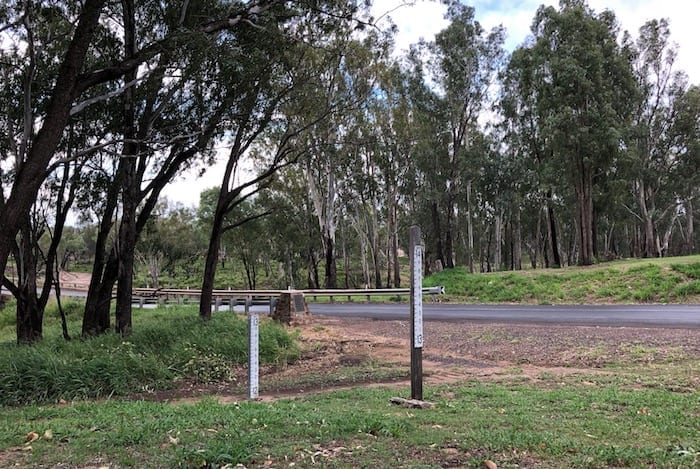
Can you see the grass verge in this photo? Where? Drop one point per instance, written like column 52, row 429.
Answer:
column 168, row 344
column 668, row 280
column 512, row 425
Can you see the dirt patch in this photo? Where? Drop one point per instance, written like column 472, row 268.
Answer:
column 340, row 353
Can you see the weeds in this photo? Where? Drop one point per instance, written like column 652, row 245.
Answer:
column 167, row 344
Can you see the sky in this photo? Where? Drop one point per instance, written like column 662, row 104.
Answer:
column 423, row 19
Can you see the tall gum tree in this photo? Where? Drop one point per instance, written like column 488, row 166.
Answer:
column 284, row 96
column 83, row 70
column 584, row 89
column 653, row 144
column 461, row 64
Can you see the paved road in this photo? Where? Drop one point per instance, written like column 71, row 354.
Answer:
column 674, row 316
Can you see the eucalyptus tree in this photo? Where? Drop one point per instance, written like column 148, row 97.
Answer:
column 538, row 185
column 93, row 65
column 333, row 146
column 653, row 145
column 461, row 66
column 686, row 172
column 292, row 228
column 291, row 89
column 33, row 40
column 390, row 111
column 169, row 241
column 164, row 124
column 583, row 93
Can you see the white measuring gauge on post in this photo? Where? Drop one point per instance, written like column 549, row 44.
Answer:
column 418, row 296
column 253, row 353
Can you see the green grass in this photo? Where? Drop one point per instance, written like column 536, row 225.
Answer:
column 514, row 426
column 669, row 280
column 168, row 344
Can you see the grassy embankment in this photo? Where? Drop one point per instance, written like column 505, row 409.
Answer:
column 633, row 415
column 668, row 280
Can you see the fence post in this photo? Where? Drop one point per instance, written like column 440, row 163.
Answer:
column 416, row 258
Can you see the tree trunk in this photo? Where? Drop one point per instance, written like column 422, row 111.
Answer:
column 449, row 228
column 395, row 247
column 647, row 220
column 470, row 229
column 312, row 274
column 331, row 275
column 689, row 245
column 210, row 264
column 346, row 263
column 584, row 212
column 29, row 315
column 552, row 233
column 517, row 242
column 437, row 233
column 130, row 187
column 376, row 259
column 498, row 242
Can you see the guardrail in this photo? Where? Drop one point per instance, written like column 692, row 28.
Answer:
column 232, row 297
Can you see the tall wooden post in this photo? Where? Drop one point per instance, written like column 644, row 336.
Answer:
column 416, row 259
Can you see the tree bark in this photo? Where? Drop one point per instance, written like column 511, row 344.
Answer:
column 395, row 247
column 470, row 228
column 449, row 228
column 211, row 261
column 584, row 211
column 130, row 186
column 517, row 242
column 498, row 242
column 331, row 275
column 29, row 315
column 689, row 247
column 437, row 233
column 552, row 233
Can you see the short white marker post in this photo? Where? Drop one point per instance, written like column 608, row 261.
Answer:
column 253, row 351
column 416, row 259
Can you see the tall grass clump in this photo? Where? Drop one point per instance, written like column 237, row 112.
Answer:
column 168, row 344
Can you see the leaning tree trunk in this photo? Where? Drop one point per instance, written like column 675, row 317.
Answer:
column 130, row 188
column 210, row 265
column 29, row 315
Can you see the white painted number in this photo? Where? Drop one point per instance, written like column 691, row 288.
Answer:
column 253, row 351
column 418, row 297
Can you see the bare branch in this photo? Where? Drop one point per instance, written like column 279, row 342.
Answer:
column 89, row 102
column 245, row 220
